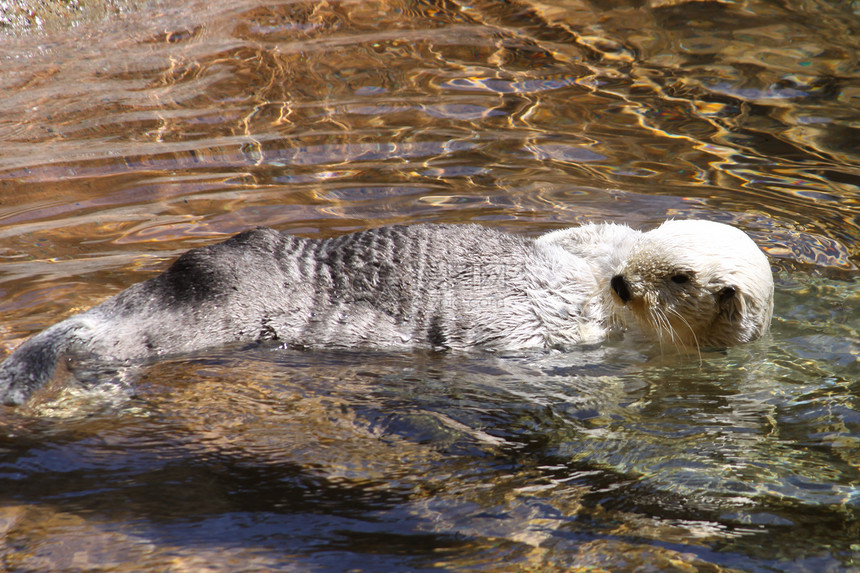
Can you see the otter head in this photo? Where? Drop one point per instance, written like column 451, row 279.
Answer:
column 696, row 283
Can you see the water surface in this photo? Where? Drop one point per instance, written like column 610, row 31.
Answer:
column 134, row 131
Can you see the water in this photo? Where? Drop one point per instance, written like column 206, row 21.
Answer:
column 133, row 131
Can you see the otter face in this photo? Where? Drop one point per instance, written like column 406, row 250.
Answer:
column 696, row 283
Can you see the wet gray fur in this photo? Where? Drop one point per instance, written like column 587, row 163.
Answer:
column 436, row 286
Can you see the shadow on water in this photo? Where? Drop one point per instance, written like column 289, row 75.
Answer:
column 134, row 131
column 425, row 458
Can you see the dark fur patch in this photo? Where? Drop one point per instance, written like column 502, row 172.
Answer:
column 267, row 330
column 204, row 273
column 436, row 333
column 195, row 277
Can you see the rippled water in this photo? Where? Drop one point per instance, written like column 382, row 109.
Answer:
column 131, row 132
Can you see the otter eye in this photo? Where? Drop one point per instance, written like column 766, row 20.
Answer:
column 680, row 279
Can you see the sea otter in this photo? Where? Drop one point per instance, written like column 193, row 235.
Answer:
column 691, row 283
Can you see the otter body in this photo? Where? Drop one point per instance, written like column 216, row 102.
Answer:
column 435, row 286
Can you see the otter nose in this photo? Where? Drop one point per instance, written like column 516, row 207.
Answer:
column 621, row 288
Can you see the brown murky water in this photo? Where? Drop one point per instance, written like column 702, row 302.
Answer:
column 131, row 132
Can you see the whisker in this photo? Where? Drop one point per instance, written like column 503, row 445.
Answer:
column 692, row 332
column 660, row 324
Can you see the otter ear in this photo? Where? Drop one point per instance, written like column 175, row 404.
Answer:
column 726, row 294
column 730, row 303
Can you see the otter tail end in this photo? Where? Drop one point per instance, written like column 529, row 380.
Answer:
column 34, row 362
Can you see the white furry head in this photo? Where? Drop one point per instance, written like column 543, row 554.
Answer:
column 696, row 283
